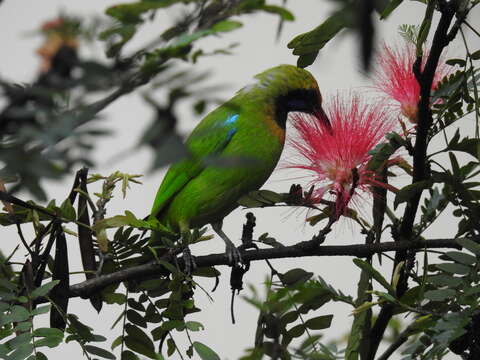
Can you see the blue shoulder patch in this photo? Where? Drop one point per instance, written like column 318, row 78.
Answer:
column 230, row 134
column 232, row 119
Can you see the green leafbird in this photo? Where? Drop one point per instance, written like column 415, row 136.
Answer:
column 233, row 151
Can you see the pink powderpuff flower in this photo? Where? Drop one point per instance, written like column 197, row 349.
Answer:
column 337, row 154
column 394, row 77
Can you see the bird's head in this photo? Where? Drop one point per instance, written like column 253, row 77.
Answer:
column 287, row 88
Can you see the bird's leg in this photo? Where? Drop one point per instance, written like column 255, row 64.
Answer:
column 232, row 252
column 188, row 259
column 102, row 259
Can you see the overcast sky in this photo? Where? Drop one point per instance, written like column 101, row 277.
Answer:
column 337, row 68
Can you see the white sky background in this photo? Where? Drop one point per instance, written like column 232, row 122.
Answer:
column 336, row 68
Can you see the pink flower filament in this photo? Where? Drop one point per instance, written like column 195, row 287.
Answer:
column 395, row 77
column 338, row 155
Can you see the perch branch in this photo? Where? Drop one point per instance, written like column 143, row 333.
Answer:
column 88, row 287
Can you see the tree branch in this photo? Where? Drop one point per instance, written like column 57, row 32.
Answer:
column 400, row 340
column 420, row 170
column 306, row 248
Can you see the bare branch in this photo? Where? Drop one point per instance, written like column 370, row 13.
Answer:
column 303, row 249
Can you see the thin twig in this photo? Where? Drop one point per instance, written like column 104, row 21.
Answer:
column 22, row 239
column 472, row 28
column 14, row 200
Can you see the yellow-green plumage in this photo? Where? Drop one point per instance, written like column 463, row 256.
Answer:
column 250, row 126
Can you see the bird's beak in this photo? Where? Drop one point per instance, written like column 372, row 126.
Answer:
column 319, row 113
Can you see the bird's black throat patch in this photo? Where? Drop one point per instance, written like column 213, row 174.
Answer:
column 302, row 100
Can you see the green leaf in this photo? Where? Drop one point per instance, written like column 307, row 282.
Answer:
column 136, row 305
column 23, row 326
column 270, row 241
column 99, row 352
column 118, row 341
column 467, row 145
column 114, row 298
column 362, row 307
column 260, row 198
column 19, row 340
column 409, row 191
column 205, row 352
column 129, row 219
column 284, row 13
column 319, row 322
column 131, row 12
column 44, row 289
column 50, row 342
column 472, row 290
column 305, row 60
column 17, row 314
column 40, row 310
column 139, row 341
column 453, row 268
column 375, row 274
column 128, row 355
column 475, row 55
column 387, row 10
column 315, row 219
column 449, row 86
column 135, row 318
column 21, row 352
column 270, row 196
column 194, row 326
column 362, row 319
column 424, row 28
column 5, row 283
column 226, row 26
column 289, row 317
column 444, row 280
column 296, row 331
column 158, row 333
column 4, row 306
column 295, row 276
column 440, row 295
column 335, row 295
column 383, row 151
column 125, row 32
column 453, row 62
column 80, row 329
column 40, row 356
column 48, row 332
column 173, row 324
column 311, row 42
column 170, row 346
column 384, row 296
column 470, row 245
column 206, row 272
column 461, row 257
column 68, row 211
column 454, row 163
column 249, row 202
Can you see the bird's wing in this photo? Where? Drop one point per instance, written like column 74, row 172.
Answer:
column 209, row 138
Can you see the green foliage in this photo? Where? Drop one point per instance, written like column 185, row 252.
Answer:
column 409, row 32
column 42, row 137
column 283, row 313
column 308, row 45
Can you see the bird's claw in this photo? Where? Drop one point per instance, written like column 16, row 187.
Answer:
column 233, row 255
column 189, row 260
